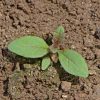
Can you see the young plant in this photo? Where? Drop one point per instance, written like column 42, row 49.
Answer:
column 35, row 47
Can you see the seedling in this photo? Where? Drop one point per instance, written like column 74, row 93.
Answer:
column 35, row 47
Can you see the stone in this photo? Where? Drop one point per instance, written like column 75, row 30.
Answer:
column 65, row 86
column 64, row 96
column 92, row 72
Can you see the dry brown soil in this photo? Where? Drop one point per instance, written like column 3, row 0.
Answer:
column 81, row 20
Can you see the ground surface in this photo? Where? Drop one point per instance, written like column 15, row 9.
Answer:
column 81, row 20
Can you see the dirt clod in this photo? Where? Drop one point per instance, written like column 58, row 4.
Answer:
column 97, row 53
column 65, row 86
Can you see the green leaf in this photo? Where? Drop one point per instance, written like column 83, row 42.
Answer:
column 29, row 46
column 59, row 31
column 73, row 63
column 46, row 63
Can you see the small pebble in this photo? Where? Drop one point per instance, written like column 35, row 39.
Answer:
column 92, row 72
column 64, row 96
column 73, row 46
column 28, row 86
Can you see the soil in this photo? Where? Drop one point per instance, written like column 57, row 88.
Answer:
column 81, row 20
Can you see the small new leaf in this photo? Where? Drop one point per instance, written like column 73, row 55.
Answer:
column 29, row 46
column 73, row 63
column 59, row 32
column 45, row 63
